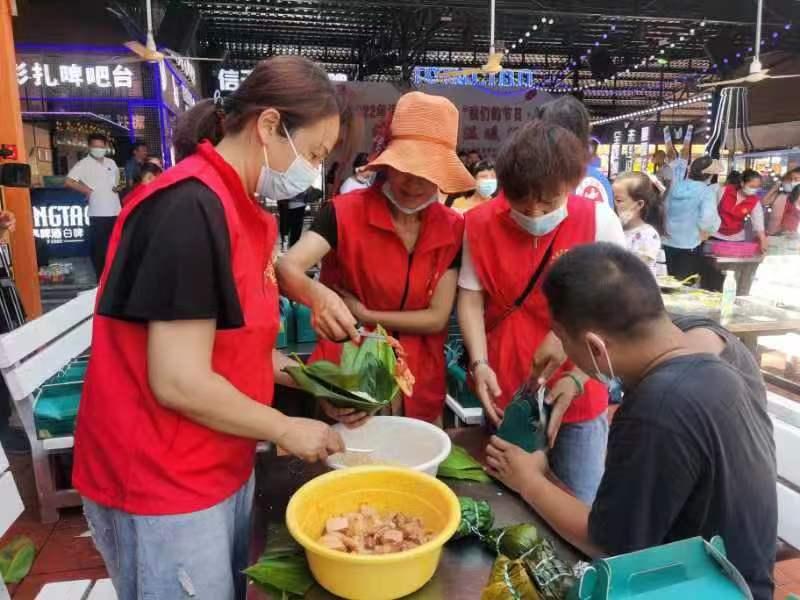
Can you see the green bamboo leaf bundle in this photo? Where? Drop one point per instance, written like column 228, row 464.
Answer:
column 460, row 465
column 553, row 577
column 477, row 518
column 363, row 380
column 509, row 581
column 513, row 541
column 282, row 570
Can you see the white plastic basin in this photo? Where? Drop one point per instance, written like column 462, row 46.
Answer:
column 396, row 441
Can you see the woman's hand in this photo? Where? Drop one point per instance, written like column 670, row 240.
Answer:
column 763, row 241
column 310, row 440
column 549, row 357
column 331, row 317
column 514, row 467
column 354, row 305
column 349, row 417
column 560, row 397
column 487, row 389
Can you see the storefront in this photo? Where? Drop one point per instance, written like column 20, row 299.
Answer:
column 68, row 92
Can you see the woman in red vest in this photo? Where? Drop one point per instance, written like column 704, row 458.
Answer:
column 396, row 247
column 182, row 371
column 508, row 244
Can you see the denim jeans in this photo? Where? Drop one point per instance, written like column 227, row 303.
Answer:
column 193, row 555
column 579, row 456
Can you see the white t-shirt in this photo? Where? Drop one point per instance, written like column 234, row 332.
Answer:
column 607, row 229
column 645, row 243
column 351, row 183
column 102, row 176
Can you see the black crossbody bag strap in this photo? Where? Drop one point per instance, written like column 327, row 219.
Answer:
column 537, row 273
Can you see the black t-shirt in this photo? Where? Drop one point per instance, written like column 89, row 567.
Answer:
column 691, row 452
column 174, row 261
column 326, row 226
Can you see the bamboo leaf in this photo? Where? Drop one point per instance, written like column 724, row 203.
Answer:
column 16, row 559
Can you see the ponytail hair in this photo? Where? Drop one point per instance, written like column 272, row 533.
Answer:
column 648, row 190
column 294, row 86
column 734, row 178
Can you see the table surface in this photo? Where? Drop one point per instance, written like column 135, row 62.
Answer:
column 465, row 565
column 750, row 316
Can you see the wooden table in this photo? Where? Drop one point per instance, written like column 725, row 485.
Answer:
column 751, row 318
column 466, row 564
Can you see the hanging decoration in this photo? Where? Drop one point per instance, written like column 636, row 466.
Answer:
column 730, row 132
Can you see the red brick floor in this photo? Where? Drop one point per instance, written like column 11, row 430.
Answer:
column 64, row 553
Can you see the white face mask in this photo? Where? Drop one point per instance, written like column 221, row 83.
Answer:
column 540, row 225
column 98, row 152
column 748, row 191
column 300, row 176
column 626, row 216
column 387, row 191
column 789, row 187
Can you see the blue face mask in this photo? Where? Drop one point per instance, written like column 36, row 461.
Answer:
column 540, row 225
column 487, row 187
column 612, row 382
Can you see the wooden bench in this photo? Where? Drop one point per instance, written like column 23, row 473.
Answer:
column 81, row 589
column 785, row 416
column 30, row 356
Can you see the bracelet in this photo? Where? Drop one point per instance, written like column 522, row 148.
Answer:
column 477, row 363
column 576, row 381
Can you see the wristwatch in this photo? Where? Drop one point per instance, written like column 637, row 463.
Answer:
column 477, row 363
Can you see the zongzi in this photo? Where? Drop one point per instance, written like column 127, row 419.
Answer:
column 509, row 581
column 525, row 420
column 552, row 576
column 513, row 541
column 476, row 518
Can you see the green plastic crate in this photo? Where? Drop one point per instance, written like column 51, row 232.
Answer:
column 692, row 568
column 287, row 333
column 305, row 332
column 56, row 408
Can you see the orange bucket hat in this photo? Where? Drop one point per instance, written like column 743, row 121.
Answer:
column 423, row 138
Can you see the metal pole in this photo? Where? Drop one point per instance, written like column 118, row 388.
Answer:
column 755, row 66
column 491, row 27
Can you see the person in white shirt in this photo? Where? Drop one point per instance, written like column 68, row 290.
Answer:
column 641, row 210
column 360, row 179
column 97, row 177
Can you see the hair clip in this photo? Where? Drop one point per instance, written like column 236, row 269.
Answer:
column 656, row 182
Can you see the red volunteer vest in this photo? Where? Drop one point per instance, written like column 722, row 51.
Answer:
column 133, row 454
column 791, row 217
column 505, row 257
column 373, row 264
column 731, row 214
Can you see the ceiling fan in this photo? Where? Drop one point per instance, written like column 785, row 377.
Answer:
column 757, row 71
column 493, row 64
column 149, row 52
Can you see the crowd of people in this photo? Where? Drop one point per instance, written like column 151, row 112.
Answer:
column 184, row 368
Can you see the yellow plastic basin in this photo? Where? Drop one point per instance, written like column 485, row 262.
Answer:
column 387, row 489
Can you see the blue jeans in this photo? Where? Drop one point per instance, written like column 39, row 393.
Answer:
column 193, row 555
column 579, row 456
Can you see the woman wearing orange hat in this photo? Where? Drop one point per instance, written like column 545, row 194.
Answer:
column 397, row 248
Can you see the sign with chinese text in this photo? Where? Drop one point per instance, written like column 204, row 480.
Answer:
column 61, row 218
column 44, row 75
column 485, row 119
column 523, row 78
column 228, row 80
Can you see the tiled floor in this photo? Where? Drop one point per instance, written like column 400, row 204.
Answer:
column 64, row 551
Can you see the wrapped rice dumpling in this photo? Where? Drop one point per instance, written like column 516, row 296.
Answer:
column 553, row 577
column 476, row 518
column 509, row 581
column 513, row 541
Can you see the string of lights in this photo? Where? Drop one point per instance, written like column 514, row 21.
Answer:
column 535, row 27
column 654, row 109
